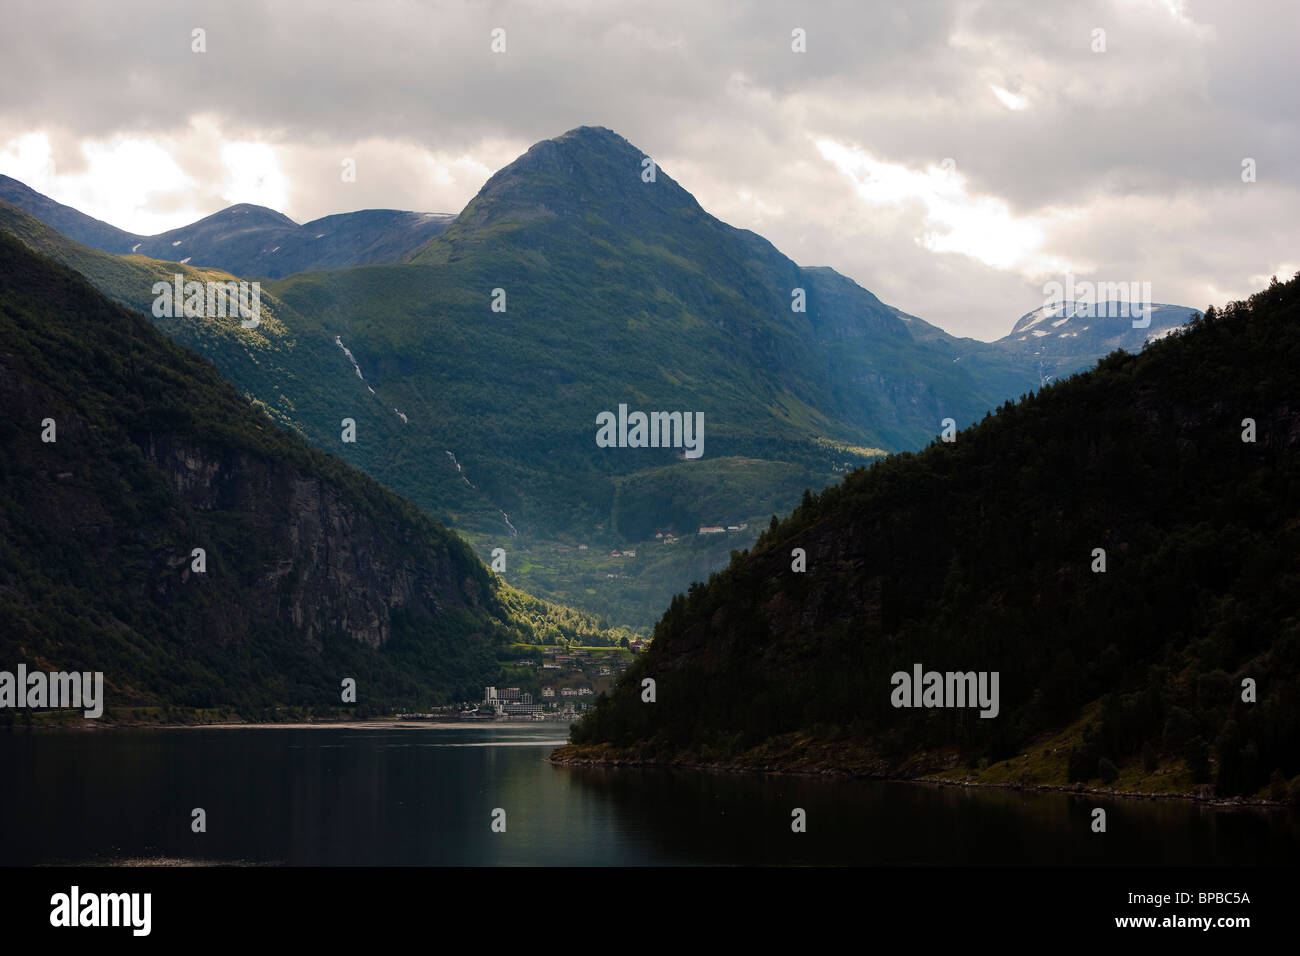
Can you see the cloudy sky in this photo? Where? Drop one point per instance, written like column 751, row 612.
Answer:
column 952, row 157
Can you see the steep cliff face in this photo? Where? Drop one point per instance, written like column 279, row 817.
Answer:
column 121, row 454
column 325, row 565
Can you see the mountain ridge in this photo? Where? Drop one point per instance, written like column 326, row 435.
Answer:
column 247, row 239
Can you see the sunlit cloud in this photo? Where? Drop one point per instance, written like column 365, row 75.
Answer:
column 29, row 159
column 1011, row 101
column 122, row 180
column 953, row 220
column 253, row 175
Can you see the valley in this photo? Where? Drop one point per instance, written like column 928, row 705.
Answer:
column 618, row 293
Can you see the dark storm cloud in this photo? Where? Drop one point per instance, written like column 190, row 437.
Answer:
column 1155, row 127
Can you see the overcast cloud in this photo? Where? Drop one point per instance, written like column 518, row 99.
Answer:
column 949, row 156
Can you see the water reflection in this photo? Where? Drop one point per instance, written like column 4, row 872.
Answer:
column 384, row 796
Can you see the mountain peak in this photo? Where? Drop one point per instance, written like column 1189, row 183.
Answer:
column 247, row 215
column 592, row 136
column 590, row 141
column 589, row 173
column 1067, row 319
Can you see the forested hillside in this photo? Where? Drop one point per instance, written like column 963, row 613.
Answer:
column 981, row 555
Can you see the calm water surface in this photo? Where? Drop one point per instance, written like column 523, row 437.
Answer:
column 424, row 795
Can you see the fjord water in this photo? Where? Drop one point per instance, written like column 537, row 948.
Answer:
column 425, row 795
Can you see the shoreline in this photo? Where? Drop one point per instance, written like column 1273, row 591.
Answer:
column 611, row 763
column 374, row 724
column 357, row 725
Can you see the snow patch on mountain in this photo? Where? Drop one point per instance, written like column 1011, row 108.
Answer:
column 1038, row 316
column 1115, row 320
